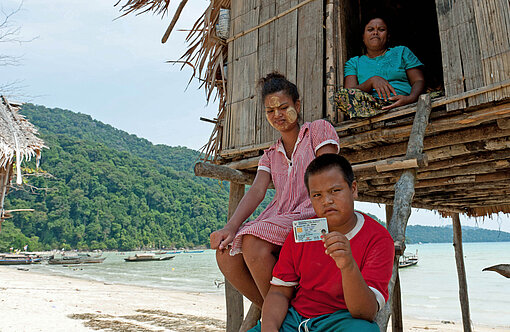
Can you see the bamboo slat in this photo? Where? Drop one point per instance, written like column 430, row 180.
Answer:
column 450, row 50
column 267, row 35
column 310, row 59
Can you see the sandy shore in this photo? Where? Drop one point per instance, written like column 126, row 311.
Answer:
column 37, row 302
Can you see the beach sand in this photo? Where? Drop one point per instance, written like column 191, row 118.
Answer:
column 31, row 301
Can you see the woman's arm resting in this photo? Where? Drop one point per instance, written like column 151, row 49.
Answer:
column 417, row 81
column 220, row 239
column 381, row 85
column 275, row 307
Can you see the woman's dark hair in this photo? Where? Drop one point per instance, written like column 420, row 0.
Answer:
column 327, row 161
column 275, row 82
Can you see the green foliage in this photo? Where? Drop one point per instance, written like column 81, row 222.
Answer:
column 111, row 190
column 427, row 234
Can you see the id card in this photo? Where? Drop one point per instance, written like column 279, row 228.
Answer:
column 309, row 229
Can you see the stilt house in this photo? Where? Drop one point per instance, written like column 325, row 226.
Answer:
column 18, row 143
column 448, row 153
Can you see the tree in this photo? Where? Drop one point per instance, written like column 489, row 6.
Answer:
column 10, row 32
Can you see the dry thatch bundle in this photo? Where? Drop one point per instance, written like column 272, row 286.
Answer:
column 18, row 140
column 207, row 53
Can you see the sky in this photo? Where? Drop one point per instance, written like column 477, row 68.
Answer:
column 79, row 55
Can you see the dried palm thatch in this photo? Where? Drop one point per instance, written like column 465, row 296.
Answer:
column 207, row 54
column 18, row 142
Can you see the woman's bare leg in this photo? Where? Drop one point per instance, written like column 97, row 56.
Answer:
column 260, row 257
column 236, row 272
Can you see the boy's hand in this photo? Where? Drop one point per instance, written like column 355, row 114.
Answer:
column 338, row 247
column 221, row 238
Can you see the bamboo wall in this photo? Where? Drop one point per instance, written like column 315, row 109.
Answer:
column 475, row 50
column 475, row 44
column 291, row 45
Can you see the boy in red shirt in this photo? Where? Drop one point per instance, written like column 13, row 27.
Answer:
column 339, row 283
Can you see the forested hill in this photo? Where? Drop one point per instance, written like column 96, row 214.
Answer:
column 112, row 190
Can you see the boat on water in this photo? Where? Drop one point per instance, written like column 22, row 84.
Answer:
column 193, row 251
column 147, row 257
column 16, row 259
column 408, row 260
column 76, row 259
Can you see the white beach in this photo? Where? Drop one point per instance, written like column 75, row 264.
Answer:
column 33, row 301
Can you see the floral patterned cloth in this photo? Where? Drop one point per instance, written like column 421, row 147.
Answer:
column 358, row 104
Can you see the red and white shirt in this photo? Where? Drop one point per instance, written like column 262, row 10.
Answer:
column 317, row 278
column 291, row 201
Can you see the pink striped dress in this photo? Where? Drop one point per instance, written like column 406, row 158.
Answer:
column 291, row 201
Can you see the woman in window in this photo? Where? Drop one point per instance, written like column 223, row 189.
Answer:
column 381, row 79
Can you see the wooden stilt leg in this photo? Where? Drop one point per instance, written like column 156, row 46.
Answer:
column 461, row 272
column 235, row 309
column 396, row 300
column 251, row 318
column 404, row 193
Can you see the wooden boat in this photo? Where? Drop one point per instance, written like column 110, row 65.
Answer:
column 76, row 259
column 147, row 257
column 408, row 260
column 193, row 251
column 13, row 259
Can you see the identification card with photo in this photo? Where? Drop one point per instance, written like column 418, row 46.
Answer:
column 309, row 229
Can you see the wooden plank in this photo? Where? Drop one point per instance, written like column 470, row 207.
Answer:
column 310, row 57
column 440, row 125
column 330, row 68
column 470, row 51
column 223, row 173
column 450, row 50
column 461, row 273
column 267, row 36
column 493, row 22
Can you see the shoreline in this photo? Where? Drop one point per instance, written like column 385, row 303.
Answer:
column 34, row 301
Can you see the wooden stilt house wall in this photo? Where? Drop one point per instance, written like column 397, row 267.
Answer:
column 449, row 153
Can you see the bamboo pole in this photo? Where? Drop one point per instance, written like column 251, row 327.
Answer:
column 174, row 21
column 234, row 299
column 461, row 273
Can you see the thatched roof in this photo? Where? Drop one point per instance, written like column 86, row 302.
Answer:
column 206, row 53
column 18, row 140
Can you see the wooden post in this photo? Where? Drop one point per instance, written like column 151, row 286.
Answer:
column 251, row 319
column 404, row 193
column 330, row 73
column 461, row 272
column 235, row 309
column 396, row 301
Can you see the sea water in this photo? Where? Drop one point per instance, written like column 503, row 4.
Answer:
column 429, row 289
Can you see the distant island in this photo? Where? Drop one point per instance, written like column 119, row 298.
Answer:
column 103, row 188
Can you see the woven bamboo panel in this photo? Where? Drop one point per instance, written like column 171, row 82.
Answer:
column 475, row 47
column 291, row 45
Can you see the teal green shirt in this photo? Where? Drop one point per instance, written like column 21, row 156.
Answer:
column 391, row 66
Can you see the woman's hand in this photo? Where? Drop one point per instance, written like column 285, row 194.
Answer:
column 221, row 238
column 400, row 100
column 382, row 87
